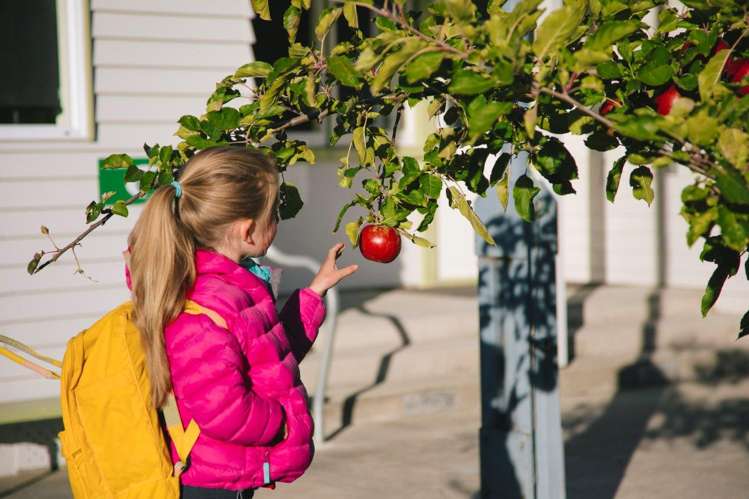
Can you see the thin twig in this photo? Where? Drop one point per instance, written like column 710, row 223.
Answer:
column 85, row 233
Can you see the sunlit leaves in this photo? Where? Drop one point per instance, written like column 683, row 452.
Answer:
column 523, row 194
column 641, row 180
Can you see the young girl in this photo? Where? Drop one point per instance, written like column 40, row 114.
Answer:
column 241, row 384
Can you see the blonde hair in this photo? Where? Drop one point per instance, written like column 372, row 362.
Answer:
column 219, row 186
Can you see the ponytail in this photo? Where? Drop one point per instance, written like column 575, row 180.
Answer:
column 162, row 270
column 218, row 187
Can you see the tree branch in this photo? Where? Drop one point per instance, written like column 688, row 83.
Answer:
column 59, row 252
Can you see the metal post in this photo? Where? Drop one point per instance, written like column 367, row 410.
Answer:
column 521, row 448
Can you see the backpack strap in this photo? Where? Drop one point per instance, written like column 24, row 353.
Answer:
column 42, row 371
column 184, row 438
column 195, row 308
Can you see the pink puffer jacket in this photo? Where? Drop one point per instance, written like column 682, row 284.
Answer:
column 242, row 385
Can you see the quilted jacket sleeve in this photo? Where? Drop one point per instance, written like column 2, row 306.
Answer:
column 208, row 378
column 302, row 316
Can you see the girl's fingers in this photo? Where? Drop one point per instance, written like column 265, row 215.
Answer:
column 347, row 271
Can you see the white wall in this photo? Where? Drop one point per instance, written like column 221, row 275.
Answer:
column 153, row 61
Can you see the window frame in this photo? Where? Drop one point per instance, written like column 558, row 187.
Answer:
column 76, row 122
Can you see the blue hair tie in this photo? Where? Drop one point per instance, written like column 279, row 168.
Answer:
column 177, row 189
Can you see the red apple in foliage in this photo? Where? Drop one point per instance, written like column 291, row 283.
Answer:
column 379, row 243
column 740, row 71
column 608, row 106
column 665, row 101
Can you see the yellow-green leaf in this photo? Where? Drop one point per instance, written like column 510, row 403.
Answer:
column 349, row 12
column 261, row 8
column 327, row 19
column 710, row 75
column 360, row 144
column 734, row 146
column 352, row 231
column 503, row 189
column 460, row 203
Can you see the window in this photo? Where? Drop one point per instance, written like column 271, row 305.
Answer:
column 272, row 42
column 45, row 92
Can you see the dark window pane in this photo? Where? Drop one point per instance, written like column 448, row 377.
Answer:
column 272, row 40
column 29, row 88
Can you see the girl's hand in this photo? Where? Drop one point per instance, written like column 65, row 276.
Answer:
column 329, row 274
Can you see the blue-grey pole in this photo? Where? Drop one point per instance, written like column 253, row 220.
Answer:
column 521, row 447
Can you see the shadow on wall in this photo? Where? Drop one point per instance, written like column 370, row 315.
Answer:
column 517, row 316
column 311, row 232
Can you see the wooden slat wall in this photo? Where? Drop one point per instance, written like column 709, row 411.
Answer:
column 154, row 60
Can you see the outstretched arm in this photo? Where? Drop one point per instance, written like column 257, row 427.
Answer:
column 304, row 310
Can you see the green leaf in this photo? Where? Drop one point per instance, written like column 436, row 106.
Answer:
column 93, row 210
column 700, row 224
column 327, row 18
column 431, row 185
column 418, row 241
column 555, row 163
column 119, row 208
column 256, row 69
column 529, row 121
column 610, row 32
column 114, row 161
column 225, row 119
column 503, row 188
column 465, row 82
column 133, row 174
column 640, row 180
column 190, row 123
column 349, row 12
column 734, row 230
column 343, row 70
column 499, row 168
column 423, row 66
column 360, row 144
column 261, row 8
column 291, row 201
column 482, row 114
column 557, row 30
column 411, row 171
column 710, row 75
column 291, row 19
column 644, row 128
column 733, row 144
column 713, row 289
column 459, row 202
column 744, row 326
column 352, row 231
column 34, row 263
column 523, row 193
column 341, row 214
column 702, row 129
column 733, row 186
column 655, row 74
column 392, row 63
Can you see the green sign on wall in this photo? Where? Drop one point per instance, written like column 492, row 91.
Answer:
column 113, row 180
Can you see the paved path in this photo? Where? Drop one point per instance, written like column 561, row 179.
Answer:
column 676, row 442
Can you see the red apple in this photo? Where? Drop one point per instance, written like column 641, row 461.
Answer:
column 379, row 243
column 664, row 101
column 740, row 71
column 608, row 106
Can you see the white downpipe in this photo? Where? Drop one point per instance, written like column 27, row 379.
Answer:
column 329, row 327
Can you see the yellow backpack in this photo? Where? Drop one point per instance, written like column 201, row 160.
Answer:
column 113, row 441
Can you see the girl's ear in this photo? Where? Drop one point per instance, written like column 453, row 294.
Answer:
column 246, row 230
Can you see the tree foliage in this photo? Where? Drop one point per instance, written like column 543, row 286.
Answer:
column 503, row 81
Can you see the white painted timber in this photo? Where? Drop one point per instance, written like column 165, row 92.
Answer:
column 217, row 8
column 147, row 109
column 630, row 235
column 123, row 53
column 158, row 81
column 110, row 25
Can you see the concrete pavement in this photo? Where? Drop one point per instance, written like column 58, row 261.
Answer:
column 655, row 404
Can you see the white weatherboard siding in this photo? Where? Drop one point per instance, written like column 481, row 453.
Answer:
column 153, row 61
